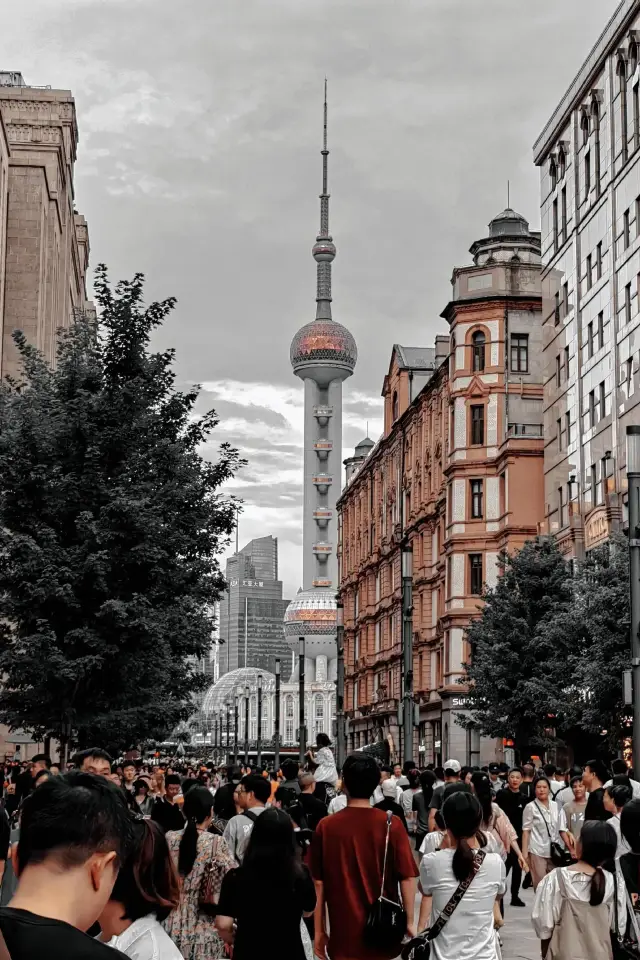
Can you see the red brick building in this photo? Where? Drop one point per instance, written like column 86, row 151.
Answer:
column 457, row 475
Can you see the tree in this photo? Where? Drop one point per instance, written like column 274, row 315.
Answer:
column 111, row 523
column 520, row 648
column 602, row 606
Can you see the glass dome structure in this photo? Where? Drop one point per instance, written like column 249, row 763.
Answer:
column 224, row 691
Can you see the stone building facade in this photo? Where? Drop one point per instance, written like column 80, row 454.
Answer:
column 44, row 243
column 589, row 160
column 458, row 476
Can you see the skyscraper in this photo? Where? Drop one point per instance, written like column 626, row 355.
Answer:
column 323, row 355
column 251, row 609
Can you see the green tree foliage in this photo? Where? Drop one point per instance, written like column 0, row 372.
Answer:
column 521, row 646
column 110, row 525
column 604, row 652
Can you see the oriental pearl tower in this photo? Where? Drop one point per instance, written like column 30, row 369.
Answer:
column 323, row 355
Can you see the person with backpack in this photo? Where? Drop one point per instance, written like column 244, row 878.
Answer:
column 252, row 794
column 574, row 910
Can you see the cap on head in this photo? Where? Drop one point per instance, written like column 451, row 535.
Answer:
column 452, row 765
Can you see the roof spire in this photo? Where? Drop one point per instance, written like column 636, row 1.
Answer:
column 324, row 250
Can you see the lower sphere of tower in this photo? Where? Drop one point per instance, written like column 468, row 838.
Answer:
column 313, row 614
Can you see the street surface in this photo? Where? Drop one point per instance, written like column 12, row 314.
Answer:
column 519, row 942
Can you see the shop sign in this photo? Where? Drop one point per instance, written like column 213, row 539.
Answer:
column 596, row 529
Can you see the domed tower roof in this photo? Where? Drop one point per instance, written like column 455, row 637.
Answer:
column 363, row 448
column 224, row 691
column 509, row 223
column 323, row 342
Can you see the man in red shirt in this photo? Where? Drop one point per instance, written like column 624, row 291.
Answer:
column 346, row 858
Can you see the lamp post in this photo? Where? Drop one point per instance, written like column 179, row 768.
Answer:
column 302, row 731
column 246, row 726
column 407, row 649
column 259, row 736
column 228, row 737
column 235, row 729
column 276, row 720
column 633, row 478
column 340, row 731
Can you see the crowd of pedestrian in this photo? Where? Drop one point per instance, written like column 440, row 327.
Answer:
column 162, row 861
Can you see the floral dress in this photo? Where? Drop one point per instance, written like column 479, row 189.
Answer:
column 192, row 930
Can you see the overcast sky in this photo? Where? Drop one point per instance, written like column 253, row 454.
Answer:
column 200, row 129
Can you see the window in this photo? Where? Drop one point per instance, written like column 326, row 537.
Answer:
column 477, row 425
column 601, row 330
column 595, row 114
column 477, row 498
column 567, row 427
column 566, row 363
column 593, row 471
column 288, row 719
column 559, row 434
column 475, row 574
column 565, row 298
column 590, row 341
column 627, row 303
column 520, row 352
column 478, row 349
column 563, row 209
column 555, row 224
column 629, row 376
column 394, row 407
column 599, row 262
column 561, row 508
column 553, row 173
column 319, row 713
column 624, row 127
column 584, row 126
column 587, row 175
column 602, row 400
column 557, row 309
column 562, row 163
column 636, row 116
column 633, row 58
column 589, row 272
column 558, row 371
column 626, row 230
column 592, row 408
column 599, row 487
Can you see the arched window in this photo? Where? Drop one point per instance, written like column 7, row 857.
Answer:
column 595, row 118
column 621, row 70
column 633, row 57
column 562, row 163
column 318, row 713
column 584, row 126
column 394, row 406
column 553, row 173
column 288, row 719
column 478, row 342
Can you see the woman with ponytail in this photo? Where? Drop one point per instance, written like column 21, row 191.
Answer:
column 575, row 907
column 469, row 933
column 145, row 892
column 196, row 853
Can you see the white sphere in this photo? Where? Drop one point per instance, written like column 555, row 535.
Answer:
column 313, row 614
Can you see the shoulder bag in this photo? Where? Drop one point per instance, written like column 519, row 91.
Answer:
column 219, row 865
column 420, row 947
column 559, row 856
column 623, row 947
column 386, row 921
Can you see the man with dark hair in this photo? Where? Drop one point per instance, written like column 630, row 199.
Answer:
column 313, row 810
column 26, row 781
column 290, row 770
column 128, row 775
column 565, row 794
column 594, row 778
column 619, row 768
column 75, row 831
column 165, row 811
column 346, row 861
column 452, row 770
column 252, row 793
column 224, row 806
column 528, row 786
column 94, row 760
column 513, row 801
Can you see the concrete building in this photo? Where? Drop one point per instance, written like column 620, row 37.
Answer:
column 589, row 160
column 458, row 477
column 251, row 610
column 44, row 243
column 323, row 355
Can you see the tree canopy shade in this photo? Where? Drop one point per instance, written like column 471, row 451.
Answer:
column 111, row 523
column 521, row 647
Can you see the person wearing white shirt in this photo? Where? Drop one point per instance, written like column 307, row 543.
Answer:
column 615, row 797
column 386, row 773
column 540, row 822
column 620, row 769
column 469, row 933
column 575, row 907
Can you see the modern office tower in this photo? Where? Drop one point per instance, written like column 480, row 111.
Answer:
column 251, row 610
column 323, row 355
column 589, row 160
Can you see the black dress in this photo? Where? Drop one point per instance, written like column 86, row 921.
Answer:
column 270, row 917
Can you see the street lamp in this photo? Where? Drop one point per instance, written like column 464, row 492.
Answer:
column 228, row 736
column 407, row 649
column 340, row 730
column 235, row 727
column 301, row 728
column 633, row 478
column 246, row 726
column 259, row 737
column 276, row 720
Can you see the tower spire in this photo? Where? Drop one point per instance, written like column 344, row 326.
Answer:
column 324, row 250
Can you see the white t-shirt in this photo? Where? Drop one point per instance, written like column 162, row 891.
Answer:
column 146, row 939
column 572, row 885
column 469, row 933
column 378, row 795
column 338, row 803
column 635, row 788
column 543, row 822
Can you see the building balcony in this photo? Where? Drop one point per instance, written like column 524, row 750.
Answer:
column 322, row 482
column 532, row 431
column 322, row 516
column 323, row 414
column 323, row 448
column 322, row 551
column 322, row 582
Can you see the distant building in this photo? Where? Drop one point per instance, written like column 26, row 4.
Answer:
column 252, row 609
column 589, row 160
column 457, row 477
column 44, row 242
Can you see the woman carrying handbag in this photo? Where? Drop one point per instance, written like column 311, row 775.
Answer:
column 464, row 881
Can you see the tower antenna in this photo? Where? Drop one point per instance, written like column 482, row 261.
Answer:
column 324, row 250
column 508, row 194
